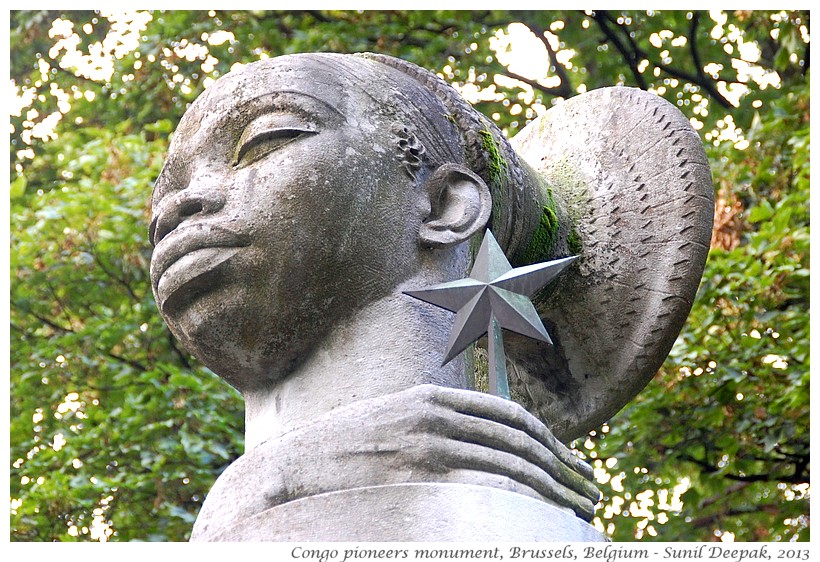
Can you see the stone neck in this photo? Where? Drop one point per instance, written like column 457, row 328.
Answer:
column 390, row 345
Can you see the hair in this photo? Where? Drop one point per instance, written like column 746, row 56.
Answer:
column 516, row 189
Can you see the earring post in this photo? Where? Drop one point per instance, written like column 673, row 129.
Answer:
column 494, row 296
column 498, row 378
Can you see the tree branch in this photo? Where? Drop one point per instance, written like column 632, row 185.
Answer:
column 111, row 387
column 631, row 58
column 736, row 487
column 63, row 307
column 319, row 16
column 786, row 478
column 700, row 80
column 806, row 53
column 692, row 38
column 565, row 89
column 77, row 76
column 111, row 275
column 173, row 344
column 798, row 477
column 706, row 520
column 561, row 91
column 44, row 320
column 135, row 364
column 130, row 362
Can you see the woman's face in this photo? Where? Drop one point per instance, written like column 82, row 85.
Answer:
column 281, row 209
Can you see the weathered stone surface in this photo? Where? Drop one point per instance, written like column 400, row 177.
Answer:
column 413, row 512
column 303, row 194
column 630, row 173
column 425, row 434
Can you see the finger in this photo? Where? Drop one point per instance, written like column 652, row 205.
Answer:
column 459, row 455
column 488, row 479
column 513, row 415
column 486, row 420
column 491, row 434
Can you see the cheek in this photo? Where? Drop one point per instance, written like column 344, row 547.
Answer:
column 280, row 196
column 345, row 207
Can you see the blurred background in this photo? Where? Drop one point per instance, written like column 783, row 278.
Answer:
column 117, row 433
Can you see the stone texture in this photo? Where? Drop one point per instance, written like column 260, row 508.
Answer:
column 631, row 174
column 303, row 194
column 413, row 512
column 425, row 434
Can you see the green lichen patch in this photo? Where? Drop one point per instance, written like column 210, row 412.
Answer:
column 497, row 173
column 545, row 237
column 481, row 370
column 497, row 166
column 574, row 242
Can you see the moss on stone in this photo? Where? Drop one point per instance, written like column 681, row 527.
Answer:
column 545, row 236
column 497, row 173
column 497, row 166
column 481, row 370
column 574, row 242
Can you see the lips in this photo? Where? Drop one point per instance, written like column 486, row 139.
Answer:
column 189, row 252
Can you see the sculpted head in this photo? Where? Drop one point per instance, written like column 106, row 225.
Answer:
column 298, row 190
column 302, row 190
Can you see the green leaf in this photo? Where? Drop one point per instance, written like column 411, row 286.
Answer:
column 762, row 212
column 18, row 187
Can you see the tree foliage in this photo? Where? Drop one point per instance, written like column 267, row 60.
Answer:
column 117, row 433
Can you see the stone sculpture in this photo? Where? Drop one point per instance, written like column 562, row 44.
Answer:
column 302, row 195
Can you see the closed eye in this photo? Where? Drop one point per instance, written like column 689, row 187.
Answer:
column 264, row 142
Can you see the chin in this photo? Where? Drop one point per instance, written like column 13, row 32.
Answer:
column 247, row 349
column 249, row 373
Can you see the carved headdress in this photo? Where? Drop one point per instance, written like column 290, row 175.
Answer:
column 619, row 177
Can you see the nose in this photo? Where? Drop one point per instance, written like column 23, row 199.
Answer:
column 181, row 206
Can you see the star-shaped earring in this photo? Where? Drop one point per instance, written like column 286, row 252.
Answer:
column 494, row 296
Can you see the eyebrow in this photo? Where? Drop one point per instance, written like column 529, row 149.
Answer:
column 248, row 110
column 294, row 100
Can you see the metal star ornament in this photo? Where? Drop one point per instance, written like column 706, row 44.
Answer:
column 494, row 296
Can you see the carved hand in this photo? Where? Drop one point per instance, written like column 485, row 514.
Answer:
column 424, row 434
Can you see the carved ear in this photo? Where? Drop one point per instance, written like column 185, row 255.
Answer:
column 460, row 205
